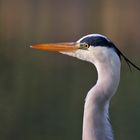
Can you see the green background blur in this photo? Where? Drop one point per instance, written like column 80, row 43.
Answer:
column 41, row 93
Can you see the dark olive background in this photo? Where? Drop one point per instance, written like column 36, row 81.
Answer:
column 42, row 93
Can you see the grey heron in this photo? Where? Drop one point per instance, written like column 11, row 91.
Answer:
column 106, row 57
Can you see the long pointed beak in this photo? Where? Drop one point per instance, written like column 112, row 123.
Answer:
column 57, row 47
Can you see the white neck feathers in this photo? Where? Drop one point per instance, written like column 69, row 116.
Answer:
column 95, row 122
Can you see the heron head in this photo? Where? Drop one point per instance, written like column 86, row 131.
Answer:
column 92, row 48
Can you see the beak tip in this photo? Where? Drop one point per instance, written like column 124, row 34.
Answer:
column 30, row 46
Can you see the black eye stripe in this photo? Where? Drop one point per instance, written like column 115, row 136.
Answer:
column 96, row 41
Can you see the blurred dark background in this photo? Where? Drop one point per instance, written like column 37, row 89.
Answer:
column 41, row 93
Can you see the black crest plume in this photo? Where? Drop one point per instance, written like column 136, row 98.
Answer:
column 129, row 63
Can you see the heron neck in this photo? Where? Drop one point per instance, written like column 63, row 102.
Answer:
column 108, row 79
column 95, row 122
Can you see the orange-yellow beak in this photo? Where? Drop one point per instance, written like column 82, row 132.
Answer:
column 59, row 47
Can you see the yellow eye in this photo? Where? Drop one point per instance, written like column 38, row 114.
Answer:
column 84, row 46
